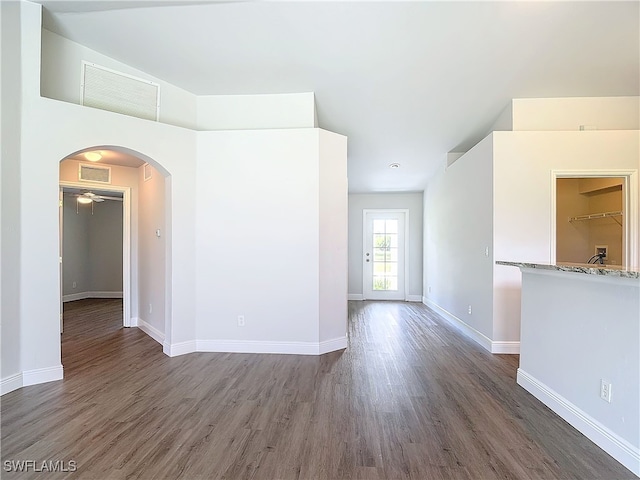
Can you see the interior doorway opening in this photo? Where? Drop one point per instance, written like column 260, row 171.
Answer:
column 595, row 219
column 95, row 241
column 92, row 178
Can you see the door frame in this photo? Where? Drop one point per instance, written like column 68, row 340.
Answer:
column 126, row 241
column 630, row 214
column 365, row 211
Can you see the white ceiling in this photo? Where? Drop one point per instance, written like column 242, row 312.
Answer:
column 407, row 82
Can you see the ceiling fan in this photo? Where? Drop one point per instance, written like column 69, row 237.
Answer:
column 89, row 197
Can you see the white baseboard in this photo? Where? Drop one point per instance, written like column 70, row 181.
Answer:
column 42, row 375
column 468, row 330
column 133, row 322
column 11, row 383
column 258, row 346
column 625, row 453
column 91, row 294
column 150, row 330
column 413, row 298
column 499, row 347
column 332, row 345
column 30, row 377
column 509, row 348
column 354, row 296
column 181, row 348
column 72, row 297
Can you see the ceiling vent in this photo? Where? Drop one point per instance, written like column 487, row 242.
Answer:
column 94, row 174
column 117, row 92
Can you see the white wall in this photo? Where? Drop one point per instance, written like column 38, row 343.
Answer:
column 152, row 249
column 75, row 248
column 92, row 248
column 248, row 112
column 577, row 330
column 259, row 229
column 411, row 201
column 458, row 230
column 61, row 78
column 10, row 99
column 333, row 224
column 523, row 216
column 604, row 113
column 105, row 243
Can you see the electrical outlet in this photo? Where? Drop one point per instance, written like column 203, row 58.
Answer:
column 605, row 390
column 241, row 320
column 469, row 310
column 486, row 251
column 150, row 308
column 75, row 284
column 429, row 288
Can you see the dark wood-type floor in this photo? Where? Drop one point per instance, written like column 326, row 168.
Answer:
column 409, row 398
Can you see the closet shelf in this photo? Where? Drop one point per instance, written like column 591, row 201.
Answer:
column 592, row 216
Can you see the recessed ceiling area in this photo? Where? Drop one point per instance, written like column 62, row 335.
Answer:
column 108, row 156
column 406, row 82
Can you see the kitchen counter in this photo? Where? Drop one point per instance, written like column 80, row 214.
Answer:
column 579, row 350
column 584, row 268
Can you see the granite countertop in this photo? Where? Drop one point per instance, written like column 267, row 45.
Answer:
column 588, row 269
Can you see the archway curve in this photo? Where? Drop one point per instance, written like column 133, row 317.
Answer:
column 118, row 158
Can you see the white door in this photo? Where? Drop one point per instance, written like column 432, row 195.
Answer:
column 384, row 254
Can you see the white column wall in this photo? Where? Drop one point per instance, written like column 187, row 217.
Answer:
column 333, row 259
column 258, row 236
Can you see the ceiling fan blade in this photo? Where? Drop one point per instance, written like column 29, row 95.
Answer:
column 105, row 197
column 96, row 198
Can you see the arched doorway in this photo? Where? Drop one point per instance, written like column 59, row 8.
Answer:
column 95, row 176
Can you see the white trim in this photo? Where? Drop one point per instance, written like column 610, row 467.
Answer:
column 11, row 383
column 620, row 449
column 497, row 347
column 72, row 297
column 42, row 375
column 413, row 298
column 333, row 345
column 150, row 330
column 469, row 331
column 355, row 296
column 181, row 348
column 257, row 346
column 630, row 222
column 507, row 348
column 133, row 322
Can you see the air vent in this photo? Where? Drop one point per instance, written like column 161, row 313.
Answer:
column 147, row 172
column 117, row 92
column 92, row 173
